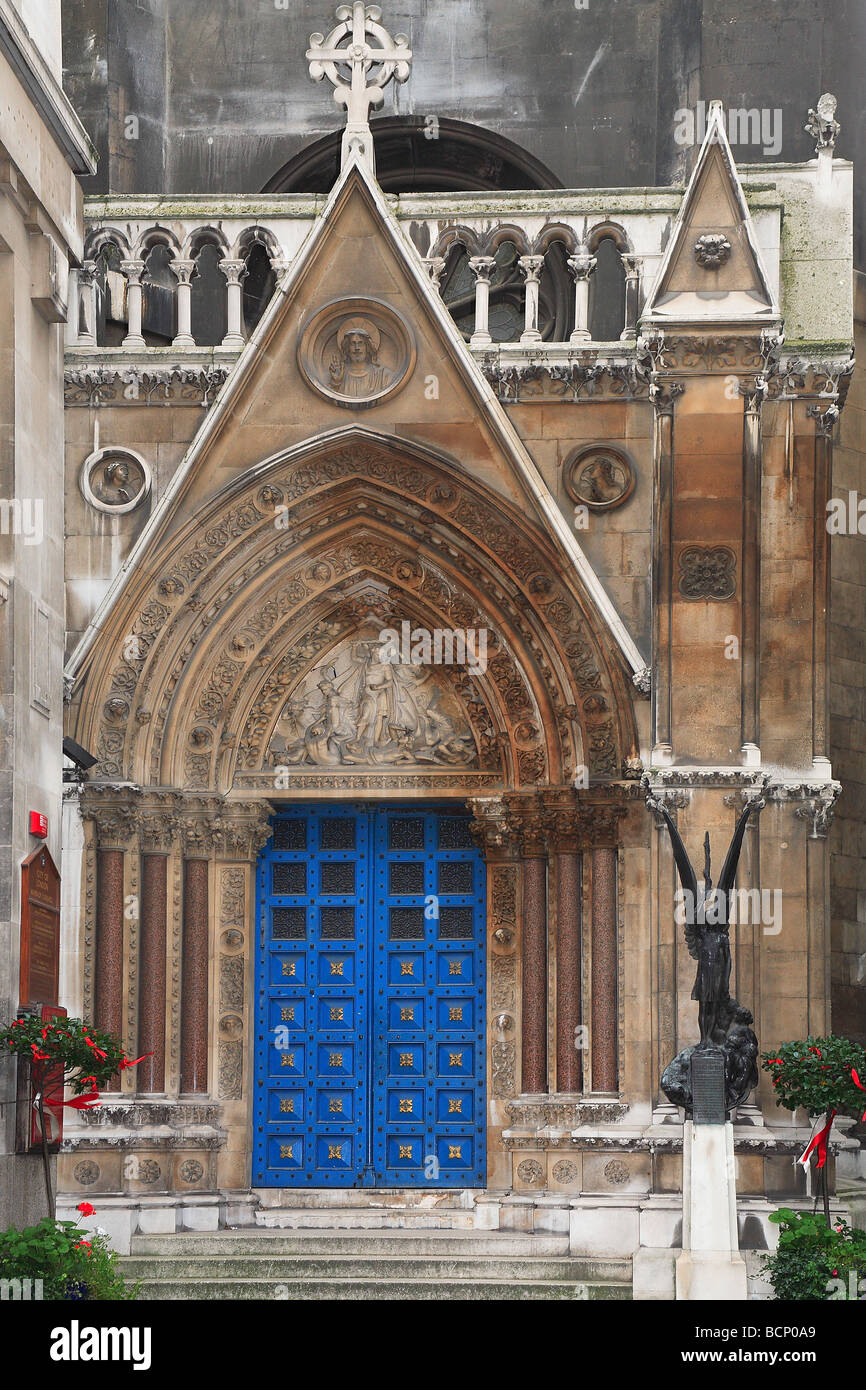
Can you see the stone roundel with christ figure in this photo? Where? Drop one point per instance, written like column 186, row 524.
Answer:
column 356, row 352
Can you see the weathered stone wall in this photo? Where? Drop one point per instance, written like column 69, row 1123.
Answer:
column 223, row 100
column 848, row 711
column 41, row 224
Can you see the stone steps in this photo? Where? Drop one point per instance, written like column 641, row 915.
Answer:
column 253, row 1241
column 309, row 1264
column 441, row 1290
column 348, row 1266
column 361, row 1218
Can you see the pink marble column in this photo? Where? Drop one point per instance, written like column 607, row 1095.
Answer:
column 194, row 978
column 150, row 1074
column 604, row 971
column 108, row 974
column 569, row 1067
column 530, row 828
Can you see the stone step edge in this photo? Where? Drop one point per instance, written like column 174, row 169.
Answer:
column 375, row 1283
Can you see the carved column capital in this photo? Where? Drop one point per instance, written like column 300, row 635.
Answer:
column 491, row 829
column 531, row 266
column 234, row 270
column 582, row 264
column 133, row 270
column 482, row 267
column 115, row 814
column 527, row 823
column 182, row 269
column 435, row 266
column 158, row 831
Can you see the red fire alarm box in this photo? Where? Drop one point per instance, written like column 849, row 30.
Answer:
column 28, row 1131
column 38, row 824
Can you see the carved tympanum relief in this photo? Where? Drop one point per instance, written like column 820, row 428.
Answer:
column 358, row 709
column 356, row 352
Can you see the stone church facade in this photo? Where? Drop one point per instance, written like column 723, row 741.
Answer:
column 414, row 540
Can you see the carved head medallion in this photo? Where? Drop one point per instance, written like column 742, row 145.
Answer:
column 598, row 477
column 115, row 480
column 356, row 352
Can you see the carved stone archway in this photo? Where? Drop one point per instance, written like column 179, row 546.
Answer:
column 187, row 697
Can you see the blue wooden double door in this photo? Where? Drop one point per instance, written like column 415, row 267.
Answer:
column 370, row 1053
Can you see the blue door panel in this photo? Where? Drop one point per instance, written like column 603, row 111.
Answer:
column 370, row 1013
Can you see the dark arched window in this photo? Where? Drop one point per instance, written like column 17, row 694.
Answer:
column 414, row 155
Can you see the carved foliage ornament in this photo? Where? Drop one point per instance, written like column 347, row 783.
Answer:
column 707, row 572
column 712, row 250
column 356, row 352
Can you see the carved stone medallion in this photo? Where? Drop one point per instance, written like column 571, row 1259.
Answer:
column 708, row 572
column 115, row 480
column 598, row 477
column 712, row 250
column 356, row 352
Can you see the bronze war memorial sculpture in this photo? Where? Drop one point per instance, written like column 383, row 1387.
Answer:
column 725, row 1023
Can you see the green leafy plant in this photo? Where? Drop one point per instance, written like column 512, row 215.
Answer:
column 814, row 1261
column 72, row 1263
column 823, row 1076
column 819, row 1074
column 64, row 1052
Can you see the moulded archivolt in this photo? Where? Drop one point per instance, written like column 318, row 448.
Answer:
column 115, row 480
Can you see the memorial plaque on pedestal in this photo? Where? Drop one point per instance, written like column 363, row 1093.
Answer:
column 708, row 1086
column 40, row 929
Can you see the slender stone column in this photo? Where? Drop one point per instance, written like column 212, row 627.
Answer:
column 604, row 971
column 235, row 273
column 184, row 272
column 194, row 978
column 108, row 974
column 569, row 1065
column 85, row 333
column 482, row 268
column 581, row 266
column 631, row 266
column 531, row 267
column 527, row 824
column 151, row 1020
column 133, row 270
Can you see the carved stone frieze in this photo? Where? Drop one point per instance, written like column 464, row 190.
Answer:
column 139, row 384
column 503, row 1056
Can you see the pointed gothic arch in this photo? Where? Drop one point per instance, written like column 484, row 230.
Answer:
column 301, row 554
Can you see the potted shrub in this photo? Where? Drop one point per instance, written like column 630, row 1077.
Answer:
column 64, row 1053
column 817, row 1257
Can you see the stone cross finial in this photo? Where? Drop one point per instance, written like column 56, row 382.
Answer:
column 358, row 70
column 822, row 124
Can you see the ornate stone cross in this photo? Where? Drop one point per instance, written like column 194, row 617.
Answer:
column 348, row 53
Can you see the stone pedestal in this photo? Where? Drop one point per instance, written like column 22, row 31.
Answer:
column 710, row 1266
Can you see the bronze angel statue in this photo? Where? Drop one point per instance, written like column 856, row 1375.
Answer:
column 706, row 918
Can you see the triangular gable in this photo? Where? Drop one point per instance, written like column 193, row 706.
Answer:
column 710, row 280
column 259, row 362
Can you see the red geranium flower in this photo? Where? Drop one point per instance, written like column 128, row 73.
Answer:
column 86, row 1208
